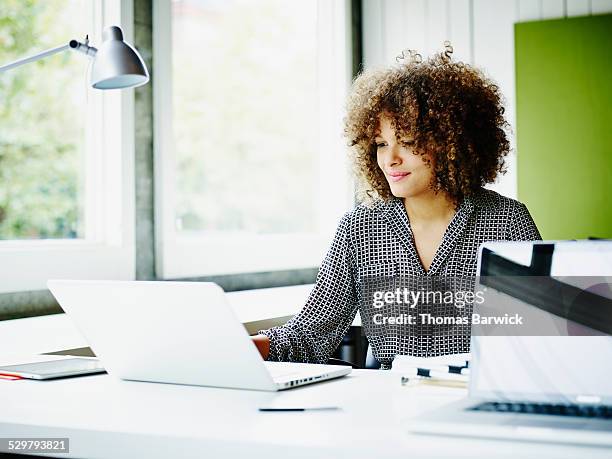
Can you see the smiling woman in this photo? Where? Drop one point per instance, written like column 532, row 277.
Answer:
column 447, row 112
column 427, row 136
column 399, row 161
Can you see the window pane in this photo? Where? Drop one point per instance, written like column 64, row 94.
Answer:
column 245, row 115
column 42, row 120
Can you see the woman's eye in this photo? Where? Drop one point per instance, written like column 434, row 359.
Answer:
column 380, row 144
column 408, row 143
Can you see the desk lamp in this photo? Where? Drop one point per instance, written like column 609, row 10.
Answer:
column 115, row 65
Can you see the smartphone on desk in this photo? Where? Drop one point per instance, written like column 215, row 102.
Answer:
column 73, row 366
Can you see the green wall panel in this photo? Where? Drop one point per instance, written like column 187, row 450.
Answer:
column 564, row 125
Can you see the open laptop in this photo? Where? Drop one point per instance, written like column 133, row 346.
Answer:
column 537, row 388
column 175, row 332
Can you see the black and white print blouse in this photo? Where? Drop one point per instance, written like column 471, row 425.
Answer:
column 376, row 240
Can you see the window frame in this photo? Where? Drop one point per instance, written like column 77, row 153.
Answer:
column 189, row 256
column 107, row 251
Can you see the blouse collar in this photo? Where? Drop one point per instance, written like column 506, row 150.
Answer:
column 396, row 215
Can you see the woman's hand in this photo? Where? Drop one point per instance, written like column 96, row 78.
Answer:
column 262, row 343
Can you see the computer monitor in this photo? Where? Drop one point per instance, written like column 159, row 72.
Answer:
column 556, row 369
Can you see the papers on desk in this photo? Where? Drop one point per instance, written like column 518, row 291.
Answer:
column 446, row 370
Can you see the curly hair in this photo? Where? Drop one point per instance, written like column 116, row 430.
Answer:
column 451, row 110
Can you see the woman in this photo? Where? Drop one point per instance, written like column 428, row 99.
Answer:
column 427, row 136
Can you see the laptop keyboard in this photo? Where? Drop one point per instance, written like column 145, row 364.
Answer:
column 582, row 411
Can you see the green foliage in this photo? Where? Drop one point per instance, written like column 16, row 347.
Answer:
column 35, row 183
column 42, row 112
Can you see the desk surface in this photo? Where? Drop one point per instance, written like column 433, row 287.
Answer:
column 106, row 417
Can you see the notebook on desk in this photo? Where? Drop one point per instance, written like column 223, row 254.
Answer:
column 45, row 367
column 538, row 388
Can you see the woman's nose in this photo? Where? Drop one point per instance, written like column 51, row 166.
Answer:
column 393, row 157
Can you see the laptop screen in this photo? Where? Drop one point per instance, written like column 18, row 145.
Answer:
column 556, row 369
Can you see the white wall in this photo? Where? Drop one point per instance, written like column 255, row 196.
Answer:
column 481, row 32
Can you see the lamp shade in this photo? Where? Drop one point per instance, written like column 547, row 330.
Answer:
column 116, row 64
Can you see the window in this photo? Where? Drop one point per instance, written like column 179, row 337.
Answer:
column 42, row 130
column 66, row 150
column 251, row 162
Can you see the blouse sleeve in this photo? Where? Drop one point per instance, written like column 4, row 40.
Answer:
column 314, row 333
column 522, row 227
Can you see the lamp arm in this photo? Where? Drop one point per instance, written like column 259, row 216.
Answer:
column 73, row 44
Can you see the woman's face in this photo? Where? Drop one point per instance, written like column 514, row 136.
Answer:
column 404, row 169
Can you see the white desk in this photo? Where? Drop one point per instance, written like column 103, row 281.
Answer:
column 108, row 418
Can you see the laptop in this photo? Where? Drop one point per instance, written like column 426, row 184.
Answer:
column 176, row 332
column 536, row 388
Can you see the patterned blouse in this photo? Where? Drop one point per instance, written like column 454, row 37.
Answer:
column 377, row 241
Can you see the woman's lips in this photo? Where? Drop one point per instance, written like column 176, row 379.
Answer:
column 397, row 176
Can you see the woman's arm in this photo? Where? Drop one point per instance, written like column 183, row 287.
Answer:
column 315, row 333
